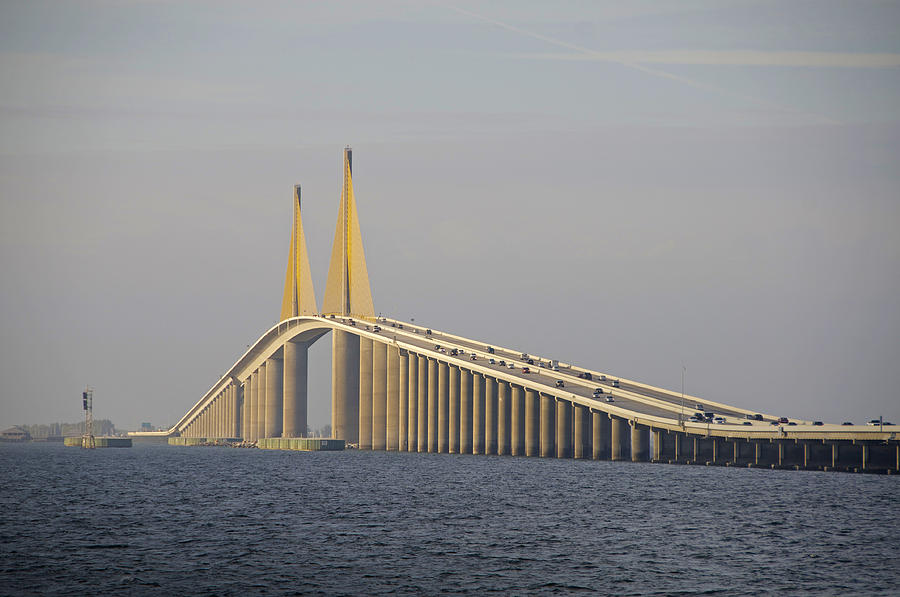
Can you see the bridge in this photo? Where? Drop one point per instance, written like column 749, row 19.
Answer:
column 404, row 387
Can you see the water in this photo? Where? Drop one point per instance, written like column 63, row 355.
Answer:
column 162, row 520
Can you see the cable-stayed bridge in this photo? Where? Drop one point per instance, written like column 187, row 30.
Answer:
column 400, row 386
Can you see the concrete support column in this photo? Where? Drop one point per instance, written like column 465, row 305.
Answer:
column 620, row 438
column 490, row 415
column 228, row 422
column 548, row 426
column 379, row 395
column 563, row 428
column 274, row 397
column 392, row 409
column 296, row 372
column 579, row 424
column 640, row 443
column 517, row 420
column 403, row 403
column 261, row 401
column 865, row 456
column 478, row 410
column 432, row 405
column 601, row 435
column 503, row 418
column 345, row 386
column 453, row 411
column 657, row 450
column 465, row 411
column 245, row 410
column 238, row 410
column 422, row 405
column 412, row 418
column 251, row 397
column 532, row 423
column 443, row 414
column 365, row 394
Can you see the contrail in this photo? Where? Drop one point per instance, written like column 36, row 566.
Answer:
column 640, row 67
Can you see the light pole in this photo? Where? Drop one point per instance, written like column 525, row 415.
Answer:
column 681, row 416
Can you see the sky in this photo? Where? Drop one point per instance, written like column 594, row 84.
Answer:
column 650, row 189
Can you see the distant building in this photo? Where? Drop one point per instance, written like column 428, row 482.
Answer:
column 15, row 434
column 146, row 427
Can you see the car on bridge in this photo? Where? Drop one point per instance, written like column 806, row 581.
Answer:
column 585, row 375
column 719, row 420
column 510, row 365
column 526, row 370
column 560, row 384
column 597, row 392
column 502, row 363
column 474, row 357
column 609, row 398
column 489, row 349
column 615, row 383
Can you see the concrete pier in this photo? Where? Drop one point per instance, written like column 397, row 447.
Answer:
column 398, row 395
column 274, row 397
column 379, row 395
column 620, row 439
column 580, row 432
column 517, row 420
column 422, row 405
column 412, row 395
column 453, row 410
column 503, row 418
column 600, row 436
column 345, row 386
column 548, row 426
column 490, row 415
column 432, row 438
column 563, row 428
column 262, row 392
column 478, row 412
column 443, row 439
column 295, row 384
column 466, row 411
column 532, row 423
column 365, row 393
column 640, row 443
column 254, row 407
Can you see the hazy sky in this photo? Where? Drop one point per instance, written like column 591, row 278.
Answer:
column 629, row 186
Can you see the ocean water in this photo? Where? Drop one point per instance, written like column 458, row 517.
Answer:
column 161, row 520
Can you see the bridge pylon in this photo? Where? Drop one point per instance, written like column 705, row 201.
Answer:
column 347, row 293
column 347, row 290
column 299, row 297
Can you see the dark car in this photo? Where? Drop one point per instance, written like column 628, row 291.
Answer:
column 502, row 363
column 526, row 370
column 755, row 417
column 783, row 420
column 428, row 332
column 560, row 384
column 453, row 352
column 818, row 423
column 747, row 423
column 490, row 350
column 847, row 423
column 531, row 361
